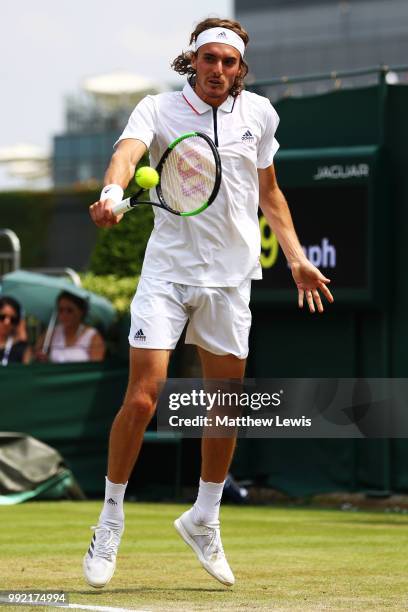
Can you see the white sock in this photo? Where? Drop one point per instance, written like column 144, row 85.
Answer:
column 112, row 511
column 207, row 506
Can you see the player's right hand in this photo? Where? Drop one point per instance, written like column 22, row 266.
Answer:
column 102, row 215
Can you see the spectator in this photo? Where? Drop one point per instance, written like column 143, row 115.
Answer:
column 12, row 348
column 72, row 340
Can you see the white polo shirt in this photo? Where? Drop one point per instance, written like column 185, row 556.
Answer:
column 221, row 246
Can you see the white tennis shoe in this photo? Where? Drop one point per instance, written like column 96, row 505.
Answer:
column 100, row 560
column 205, row 540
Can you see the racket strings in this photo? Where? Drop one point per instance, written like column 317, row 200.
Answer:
column 189, row 174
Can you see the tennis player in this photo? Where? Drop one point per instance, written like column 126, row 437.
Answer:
column 196, row 270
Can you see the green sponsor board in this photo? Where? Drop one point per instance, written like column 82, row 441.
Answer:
column 338, row 201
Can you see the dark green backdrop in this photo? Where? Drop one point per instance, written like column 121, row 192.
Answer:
column 72, row 407
column 352, row 338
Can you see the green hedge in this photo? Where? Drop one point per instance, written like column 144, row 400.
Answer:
column 120, row 250
column 119, row 290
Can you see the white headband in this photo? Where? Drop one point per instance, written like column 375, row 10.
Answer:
column 220, row 35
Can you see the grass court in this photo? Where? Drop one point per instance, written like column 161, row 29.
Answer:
column 283, row 558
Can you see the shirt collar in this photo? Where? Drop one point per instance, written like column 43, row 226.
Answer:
column 199, row 106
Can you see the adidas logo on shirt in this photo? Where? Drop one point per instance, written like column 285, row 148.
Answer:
column 247, row 136
column 112, row 502
column 139, row 335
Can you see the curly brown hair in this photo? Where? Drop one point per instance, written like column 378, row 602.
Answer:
column 182, row 63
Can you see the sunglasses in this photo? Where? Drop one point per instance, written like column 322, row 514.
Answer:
column 13, row 320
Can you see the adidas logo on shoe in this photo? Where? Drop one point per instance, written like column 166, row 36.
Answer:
column 247, row 136
column 139, row 335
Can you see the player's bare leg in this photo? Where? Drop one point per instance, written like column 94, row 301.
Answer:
column 199, row 527
column 217, row 453
column 147, row 368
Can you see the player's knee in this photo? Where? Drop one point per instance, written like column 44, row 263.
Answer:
column 140, row 408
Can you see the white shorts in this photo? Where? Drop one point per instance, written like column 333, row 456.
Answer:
column 219, row 317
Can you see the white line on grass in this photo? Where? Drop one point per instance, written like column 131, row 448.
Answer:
column 78, row 606
column 100, row 608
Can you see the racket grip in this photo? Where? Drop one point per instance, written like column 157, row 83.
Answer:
column 122, row 207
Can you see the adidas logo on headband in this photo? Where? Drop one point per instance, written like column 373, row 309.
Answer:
column 222, row 35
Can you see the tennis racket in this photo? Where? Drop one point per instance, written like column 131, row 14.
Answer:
column 190, row 177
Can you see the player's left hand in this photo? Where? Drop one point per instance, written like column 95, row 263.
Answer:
column 309, row 281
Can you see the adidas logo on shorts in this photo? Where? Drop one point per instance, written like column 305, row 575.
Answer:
column 247, row 136
column 139, row 335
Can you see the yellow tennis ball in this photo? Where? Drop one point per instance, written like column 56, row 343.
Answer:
column 146, row 177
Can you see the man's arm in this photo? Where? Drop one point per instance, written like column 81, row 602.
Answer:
column 309, row 280
column 120, row 172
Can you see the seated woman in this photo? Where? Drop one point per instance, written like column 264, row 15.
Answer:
column 12, row 348
column 72, row 340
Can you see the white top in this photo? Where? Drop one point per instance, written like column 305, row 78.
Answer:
column 221, row 246
column 61, row 353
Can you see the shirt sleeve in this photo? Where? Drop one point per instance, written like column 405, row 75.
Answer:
column 141, row 124
column 268, row 145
